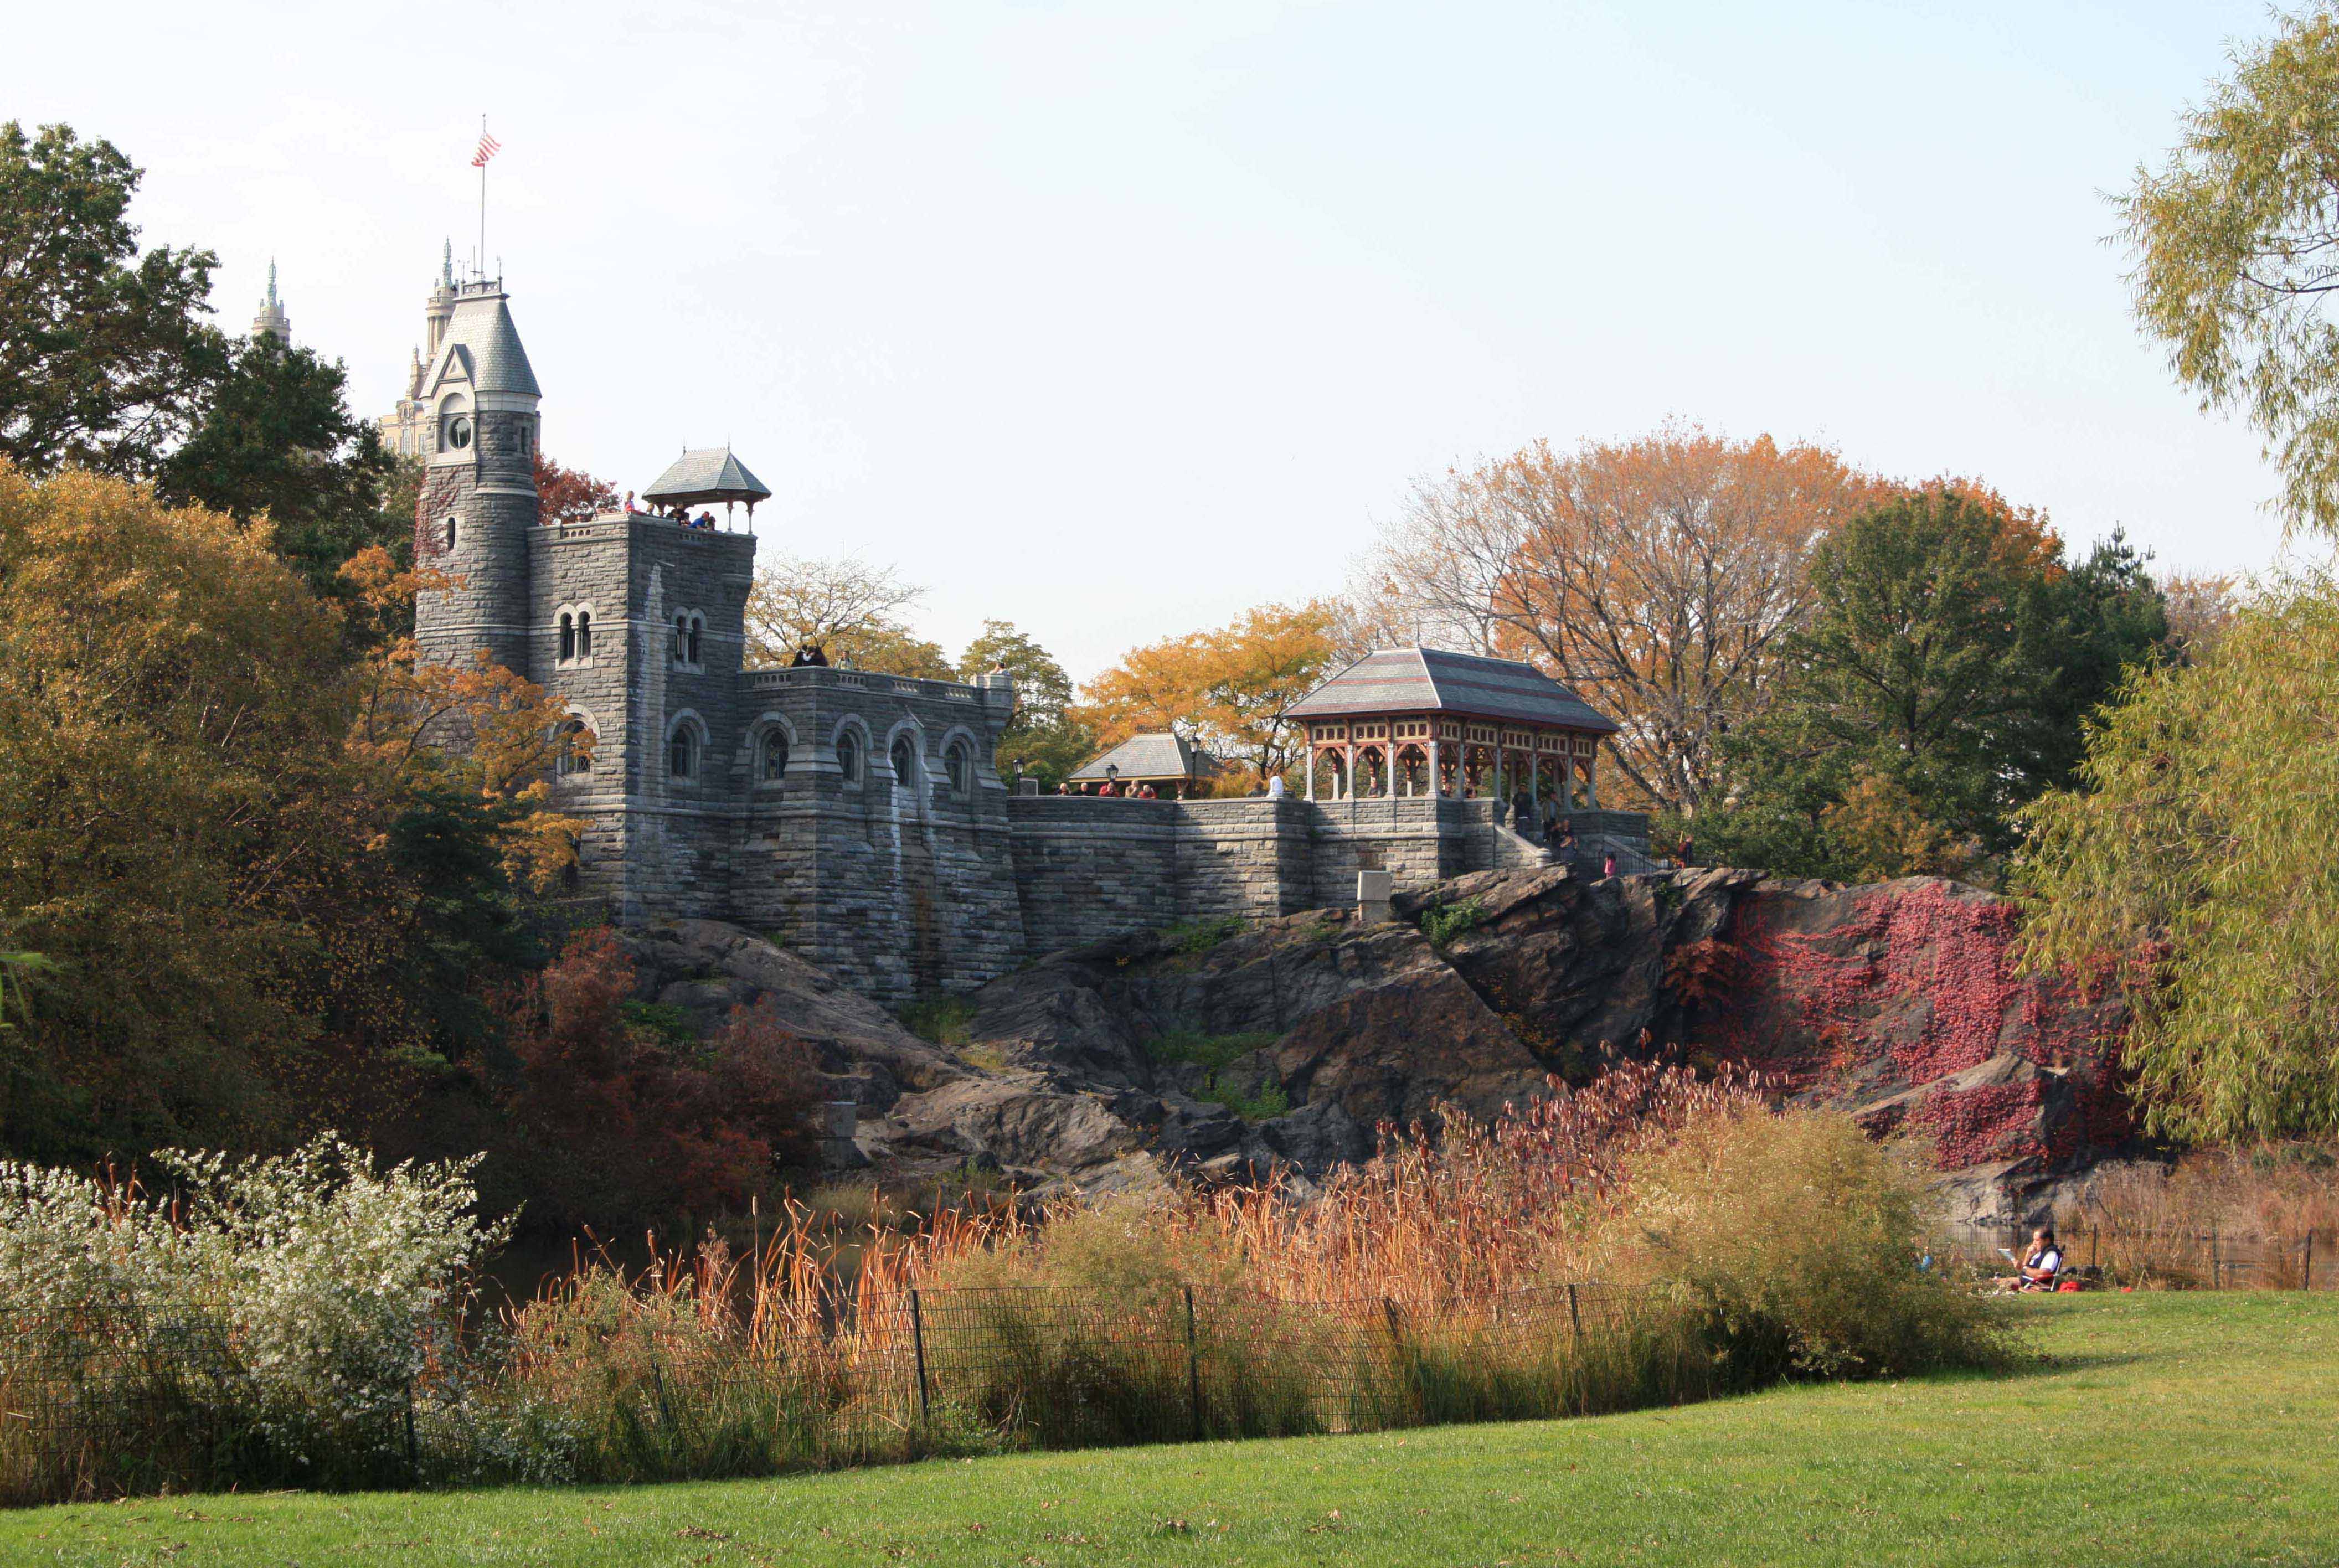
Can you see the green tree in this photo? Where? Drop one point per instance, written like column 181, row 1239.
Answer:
column 2192, row 868
column 1939, row 683
column 275, row 438
column 104, row 358
column 1042, row 740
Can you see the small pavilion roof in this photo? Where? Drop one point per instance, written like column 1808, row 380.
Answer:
column 710, row 474
column 1155, row 756
column 1433, row 680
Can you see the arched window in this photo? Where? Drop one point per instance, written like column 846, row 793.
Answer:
column 567, row 636
column 447, row 534
column 774, row 762
column 584, row 634
column 573, row 760
column 905, row 763
column 959, row 762
column 682, row 753
column 848, row 757
column 689, row 629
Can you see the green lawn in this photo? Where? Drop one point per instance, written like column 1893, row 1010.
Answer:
column 2159, row 1429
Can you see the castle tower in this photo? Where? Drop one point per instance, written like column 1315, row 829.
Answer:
column 272, row 322
column 479, row 506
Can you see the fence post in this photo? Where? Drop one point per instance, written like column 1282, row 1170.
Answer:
column 2093, row 1232
column 1574, row 1319
column 918, row 1343
column 414, row 1453
column 1193, row 1367
column 2214, row 1278
column 2310, row 1258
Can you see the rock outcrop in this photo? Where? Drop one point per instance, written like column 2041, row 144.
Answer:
column 1220, row 1050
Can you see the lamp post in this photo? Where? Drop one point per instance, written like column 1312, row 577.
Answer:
column 1113, row 777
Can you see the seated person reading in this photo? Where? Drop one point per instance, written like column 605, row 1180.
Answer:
column 2039, row 1264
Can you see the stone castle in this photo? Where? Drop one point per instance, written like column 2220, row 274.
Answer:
column 857, row 818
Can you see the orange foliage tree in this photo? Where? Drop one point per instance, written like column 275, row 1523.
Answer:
column 1654, row 575
column 1228, row 689
column 511, row 734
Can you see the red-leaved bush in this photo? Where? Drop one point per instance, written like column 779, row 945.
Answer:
column 613, row 1124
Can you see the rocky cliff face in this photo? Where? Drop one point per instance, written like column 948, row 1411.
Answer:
column 1220, row 1050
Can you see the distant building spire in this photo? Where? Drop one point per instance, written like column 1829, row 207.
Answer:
column 272, row 322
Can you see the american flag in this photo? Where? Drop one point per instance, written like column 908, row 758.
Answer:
column 488, row 148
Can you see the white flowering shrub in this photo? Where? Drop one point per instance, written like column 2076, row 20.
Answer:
column 288, row 1317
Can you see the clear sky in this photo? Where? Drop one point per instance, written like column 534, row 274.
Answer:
column 1113, row 320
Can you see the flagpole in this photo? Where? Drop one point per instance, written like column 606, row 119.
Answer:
column 483, row 201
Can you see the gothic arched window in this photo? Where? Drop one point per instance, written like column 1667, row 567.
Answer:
column 584, row 634
column 905, row 763
column 682, row 753
column 848, row 757
column 698, row 629
column 775, row 755
column 567, row 636
column 959, row 762
column 448, row 534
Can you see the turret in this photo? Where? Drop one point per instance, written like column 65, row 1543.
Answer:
column 271, row 321
column 440, row 308
column 479, row 504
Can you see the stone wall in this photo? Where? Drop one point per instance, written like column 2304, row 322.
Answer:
column 1088, row 867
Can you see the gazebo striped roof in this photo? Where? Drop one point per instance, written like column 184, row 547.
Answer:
column 1434, row 680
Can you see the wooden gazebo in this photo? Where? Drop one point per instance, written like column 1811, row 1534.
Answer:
column 1410, row 722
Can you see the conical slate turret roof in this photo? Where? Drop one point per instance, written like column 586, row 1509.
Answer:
column 482, row 327
column 711, row 474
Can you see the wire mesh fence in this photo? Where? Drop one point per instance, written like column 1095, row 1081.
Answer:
column 2170, row 1256
column 125, row 1400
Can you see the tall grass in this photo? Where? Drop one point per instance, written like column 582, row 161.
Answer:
column 1473, row 1271
column 2225, row 1217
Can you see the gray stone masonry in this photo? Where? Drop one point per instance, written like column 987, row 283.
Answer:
column 1088, row 867
column 856, row 818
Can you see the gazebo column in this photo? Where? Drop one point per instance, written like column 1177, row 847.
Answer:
column 1313, row 754
column 1592, row 782
column 1433, row 768
column 1348, row 779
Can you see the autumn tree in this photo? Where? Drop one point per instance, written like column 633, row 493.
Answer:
column 850, row 610
column 619, row 1115
column 1231, row 689
column 2235, row 240
column 1655, row 576
column 104, row 358
column 2190, row 866
column 492, row 727
column 174, row 788
column 1940, row 679
column 1042, row 739
column 266, row 899
column 570, row 495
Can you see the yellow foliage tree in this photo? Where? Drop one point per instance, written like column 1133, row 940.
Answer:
column 1228, row 689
